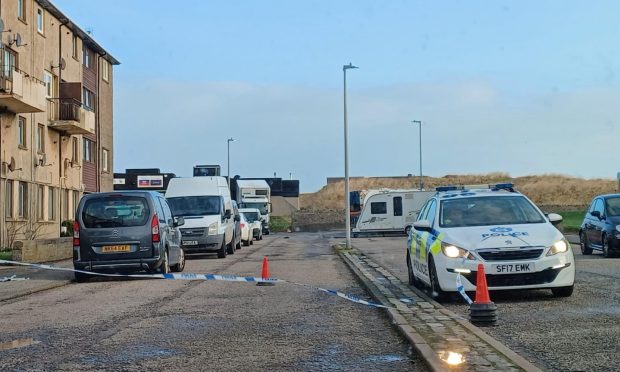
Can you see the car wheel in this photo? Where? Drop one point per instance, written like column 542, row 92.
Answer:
column 81, row 277
column 164, row 268
column 606, row 253
column 252, row 241
column 181, row 264
column 583, row 244
column 436, row 291
column 221, row 253
column 407, row 230
column 562, row 291
column 410, row 270
column 246, row 243
column 238, row 245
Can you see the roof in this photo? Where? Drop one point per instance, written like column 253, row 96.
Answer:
column 86, row 38
column 256, row 184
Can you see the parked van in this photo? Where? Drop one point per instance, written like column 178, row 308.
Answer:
column 387, row 210
column 205, row 204
column 124, row 230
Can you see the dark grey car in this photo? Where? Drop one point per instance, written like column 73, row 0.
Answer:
column 126, row 231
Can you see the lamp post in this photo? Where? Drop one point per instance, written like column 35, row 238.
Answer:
column 420, row 124
column 346, row 160
column 228, row 141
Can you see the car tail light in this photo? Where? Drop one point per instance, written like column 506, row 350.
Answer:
column 242, row 225
column 76, row 234
column 155, row 229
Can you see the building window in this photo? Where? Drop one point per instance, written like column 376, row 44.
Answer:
column 40, row 20
column 86, row 57
column 21, row 132
column 8, row 200
column 398, row 206
column 9, row 59
column 75, row 152
column 21, row 10
column 48, row 80
column 105, row 70
column 105, row 160
column 51, row 203
column 88, row 150
column 41, row 139
column 88, row 99
column 378, row 208
column 74, row 45
column 22, row 206
column 40, row 202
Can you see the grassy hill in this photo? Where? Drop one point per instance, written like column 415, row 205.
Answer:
column 549, row 191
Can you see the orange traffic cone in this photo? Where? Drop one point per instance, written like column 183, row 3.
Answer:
column 265, row 273
column 483, row 311
column 482, row 290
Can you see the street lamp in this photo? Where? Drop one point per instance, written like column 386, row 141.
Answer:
column 420, row 124
column 346, row 159
column 228, row 141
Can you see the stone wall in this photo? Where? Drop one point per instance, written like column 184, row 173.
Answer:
column 313, row 221
column 43, row 250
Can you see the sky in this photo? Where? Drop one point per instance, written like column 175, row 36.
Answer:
column 521, row 87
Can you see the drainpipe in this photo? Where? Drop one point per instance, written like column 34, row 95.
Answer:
column 98, row 123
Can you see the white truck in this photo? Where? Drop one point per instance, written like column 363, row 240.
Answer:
column 255, row 194
column 394, row 211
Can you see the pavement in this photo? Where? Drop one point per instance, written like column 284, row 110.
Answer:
column 36, row 280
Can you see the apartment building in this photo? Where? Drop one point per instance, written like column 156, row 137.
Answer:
column 55, row 118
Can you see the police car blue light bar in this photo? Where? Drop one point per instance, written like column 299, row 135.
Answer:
column 504, row 186
column 446, row 188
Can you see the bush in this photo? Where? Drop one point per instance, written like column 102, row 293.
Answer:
column 279, row 224
column 69, row 225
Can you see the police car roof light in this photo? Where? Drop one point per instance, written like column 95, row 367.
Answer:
column 446, row 188
column 504, row 186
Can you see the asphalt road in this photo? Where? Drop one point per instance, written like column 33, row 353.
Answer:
column 580, row 333
column 181, row 325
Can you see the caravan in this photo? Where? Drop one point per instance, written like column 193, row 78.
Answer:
column 390, row 210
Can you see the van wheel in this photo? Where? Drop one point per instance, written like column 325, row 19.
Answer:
column 583, row 244
column 562, row 291
column 165, row 266
column 221, row 253
column 81, row 277
column 230, row 247
column 181, row 264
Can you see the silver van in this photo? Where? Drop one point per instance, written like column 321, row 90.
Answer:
column 129, row 230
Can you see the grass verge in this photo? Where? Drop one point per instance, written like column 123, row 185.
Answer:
column 280, row 224
column 6, row 255
column 572, row 220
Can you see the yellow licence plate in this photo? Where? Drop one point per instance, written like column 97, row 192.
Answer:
column 115, row 248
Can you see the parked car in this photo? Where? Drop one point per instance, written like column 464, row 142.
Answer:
column 237, row 221
column 460, row 228
column 253, row 216
column 205, row 204
column 246, row 231
column 129, row 230
column 600, row 229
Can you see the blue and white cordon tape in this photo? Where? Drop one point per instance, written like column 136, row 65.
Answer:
column 461, row 289
column 192, row 276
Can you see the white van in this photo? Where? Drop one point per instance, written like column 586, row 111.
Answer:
column 388, row 210
column 205, row 204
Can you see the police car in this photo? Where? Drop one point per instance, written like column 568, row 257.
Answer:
column 495, row 225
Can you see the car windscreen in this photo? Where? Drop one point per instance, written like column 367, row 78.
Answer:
column 612, row 207
column 123, row 211
column 251, row 216
column 488, row 210
column 195, row 205
column 262, row 207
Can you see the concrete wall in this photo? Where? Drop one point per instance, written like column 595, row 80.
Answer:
column 283, row 207
column 43, row 250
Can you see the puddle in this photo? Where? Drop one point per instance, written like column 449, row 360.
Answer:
column 22, row 342
column 385, row 358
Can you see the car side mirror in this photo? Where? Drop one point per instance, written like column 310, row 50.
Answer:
column 237, row 218
column 178, row 221
column 227, row 214
column 554, row 218
column 596, row 214
column 422, row 225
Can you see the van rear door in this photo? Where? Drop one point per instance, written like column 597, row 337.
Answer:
column 114, row 227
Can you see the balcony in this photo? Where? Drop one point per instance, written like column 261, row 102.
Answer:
column 68, row 116
column 19, row 92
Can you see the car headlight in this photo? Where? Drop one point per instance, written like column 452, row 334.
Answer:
column 453, row 251
column 617, row 230
column 560, row 246
column 213, row 229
